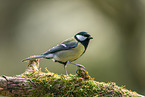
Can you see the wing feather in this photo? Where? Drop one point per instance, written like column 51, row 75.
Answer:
column 65, row 45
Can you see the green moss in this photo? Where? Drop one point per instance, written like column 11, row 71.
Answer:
column 50, row 85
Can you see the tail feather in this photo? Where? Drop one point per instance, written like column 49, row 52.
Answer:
column 33, row 57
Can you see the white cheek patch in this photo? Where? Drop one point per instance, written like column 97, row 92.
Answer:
column 81, row 38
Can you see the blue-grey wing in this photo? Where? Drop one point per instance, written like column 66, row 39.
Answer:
column 65, row 45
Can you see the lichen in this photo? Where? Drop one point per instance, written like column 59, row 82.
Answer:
column 51, row 85
column 35, row 83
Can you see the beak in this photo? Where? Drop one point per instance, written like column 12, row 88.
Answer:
column 90, row 37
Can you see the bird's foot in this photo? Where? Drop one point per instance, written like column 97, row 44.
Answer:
column 81, row 72
column 79, row 65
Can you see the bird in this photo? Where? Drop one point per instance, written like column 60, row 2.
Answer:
column 67, row 51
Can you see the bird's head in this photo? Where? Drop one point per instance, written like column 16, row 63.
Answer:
column 83, row 36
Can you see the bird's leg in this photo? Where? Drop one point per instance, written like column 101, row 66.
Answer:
column 65, row 69
column 79, row 65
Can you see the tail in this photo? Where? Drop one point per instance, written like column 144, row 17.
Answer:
column 33, row 57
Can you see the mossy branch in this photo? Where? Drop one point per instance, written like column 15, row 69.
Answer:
column 35, row 83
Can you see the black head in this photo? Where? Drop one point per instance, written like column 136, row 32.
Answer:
column 83, row 37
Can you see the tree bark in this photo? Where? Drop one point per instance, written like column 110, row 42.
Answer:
column 35, row 83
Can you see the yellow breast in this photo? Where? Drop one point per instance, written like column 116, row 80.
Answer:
column 70, row 55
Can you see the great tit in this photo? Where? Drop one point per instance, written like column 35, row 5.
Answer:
column 67, row 51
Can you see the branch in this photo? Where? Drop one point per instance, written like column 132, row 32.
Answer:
column 34, row 82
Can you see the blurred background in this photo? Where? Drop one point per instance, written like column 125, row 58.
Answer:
column 116, row 54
